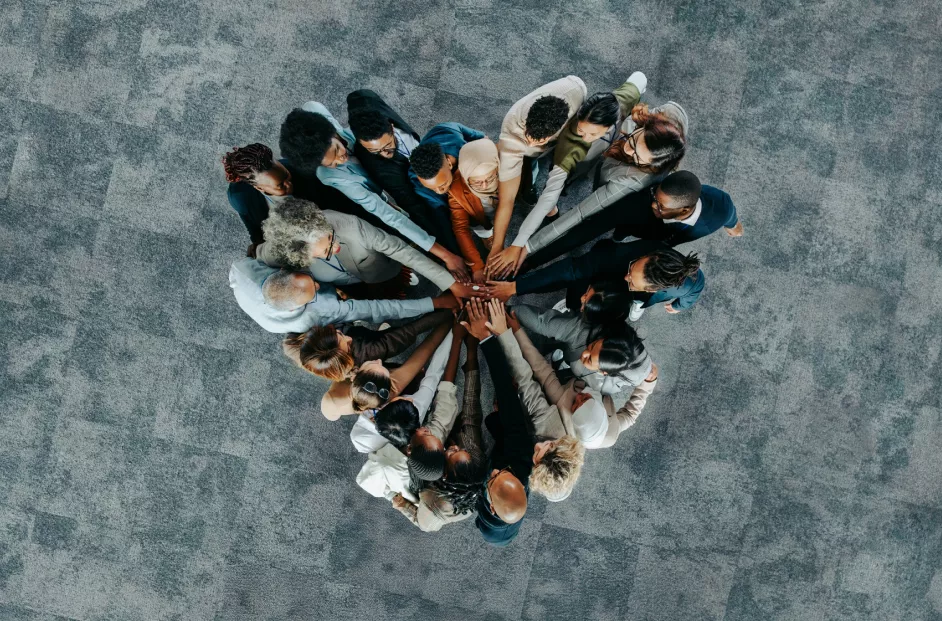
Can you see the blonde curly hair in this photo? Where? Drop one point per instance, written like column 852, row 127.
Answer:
column 558, row 470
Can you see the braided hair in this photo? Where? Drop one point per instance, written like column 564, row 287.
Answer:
column 462, row 496
column 244, row 163
column 668, row 268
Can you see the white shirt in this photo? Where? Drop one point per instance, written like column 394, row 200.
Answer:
column 404, row 142
column 364, row 435
column 385, row 474
column 691, row 219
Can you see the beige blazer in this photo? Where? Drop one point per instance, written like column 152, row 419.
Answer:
column 512, row 144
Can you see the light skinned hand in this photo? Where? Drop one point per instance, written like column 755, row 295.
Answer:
column 520, row 259
column 639, row 113
column 504, row 263
column 502, row 290
column 498, row 323
column 476, row 325
column 736, row 231
column 669, row 307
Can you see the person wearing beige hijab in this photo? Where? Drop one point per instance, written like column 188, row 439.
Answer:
column 473, row 199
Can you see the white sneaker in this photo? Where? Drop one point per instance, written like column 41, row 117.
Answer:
column 557, row 355
column 413, row 279
column 636, row 311
column 561, row 306
column 384, row 326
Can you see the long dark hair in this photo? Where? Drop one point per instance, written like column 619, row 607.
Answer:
column 609, row 303
column 397, row 421
column 666, row 142
column 600, row 109
column 622, row 348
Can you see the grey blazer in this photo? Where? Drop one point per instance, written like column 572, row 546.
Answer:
column 368, row 254
column 571, row 333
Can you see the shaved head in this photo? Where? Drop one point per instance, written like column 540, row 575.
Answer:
column 508, row 497
column 286, row 290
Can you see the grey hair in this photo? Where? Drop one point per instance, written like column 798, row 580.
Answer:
column 280, row 291
column 292, row 225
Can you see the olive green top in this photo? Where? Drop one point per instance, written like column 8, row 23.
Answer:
column 571, row 149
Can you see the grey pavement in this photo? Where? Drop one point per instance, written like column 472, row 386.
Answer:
column 160, row 459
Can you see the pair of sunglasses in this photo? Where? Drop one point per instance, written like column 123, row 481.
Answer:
column 382, row 393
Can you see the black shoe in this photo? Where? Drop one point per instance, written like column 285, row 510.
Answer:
column 529, row 198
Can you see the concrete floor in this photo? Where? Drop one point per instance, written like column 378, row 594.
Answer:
column 160, row 460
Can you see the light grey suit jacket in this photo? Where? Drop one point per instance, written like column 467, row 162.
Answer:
column 368, row 254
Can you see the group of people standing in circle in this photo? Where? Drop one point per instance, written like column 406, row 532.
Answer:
column 351, row 220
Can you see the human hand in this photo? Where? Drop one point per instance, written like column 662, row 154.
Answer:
column 498, row 323
column 736, row 231
column 479, row 277
column 399, row 501
column 669, row 307
column 502, row 290
column 251, row 251
column 468, row 290
column 639, row 113
column 653, row 374
column 520, row 259
column 476, row 325
column 503, row 263
column 445, row 300
column 457, row 266
column 512, row 321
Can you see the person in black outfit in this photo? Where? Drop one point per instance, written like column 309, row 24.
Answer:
column 676, row 211
column 503, row 503
column 384, row 145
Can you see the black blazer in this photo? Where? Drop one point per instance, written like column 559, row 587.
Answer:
column 514, row 450
column 391, row 174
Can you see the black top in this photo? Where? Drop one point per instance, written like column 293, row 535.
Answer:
column 252, row 206
column 513, row 450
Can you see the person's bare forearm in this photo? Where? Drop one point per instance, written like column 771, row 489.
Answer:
column 451, row 369
column 507, row 194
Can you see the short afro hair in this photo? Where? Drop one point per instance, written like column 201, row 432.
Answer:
column 683, row 186
column 427, row 159
column 546, row 117
column 369, row 125
column 305, row 138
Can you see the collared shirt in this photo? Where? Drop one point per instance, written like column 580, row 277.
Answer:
column 404, row 142
column 332, row 270
column 691, row 219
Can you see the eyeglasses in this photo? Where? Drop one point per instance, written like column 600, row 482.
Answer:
column 657, row 203
column 371, row 388
column 387, row 149
column 632, row 141
column 330, row 246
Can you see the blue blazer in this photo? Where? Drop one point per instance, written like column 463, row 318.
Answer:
column 451, row 137
column 716, row 211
